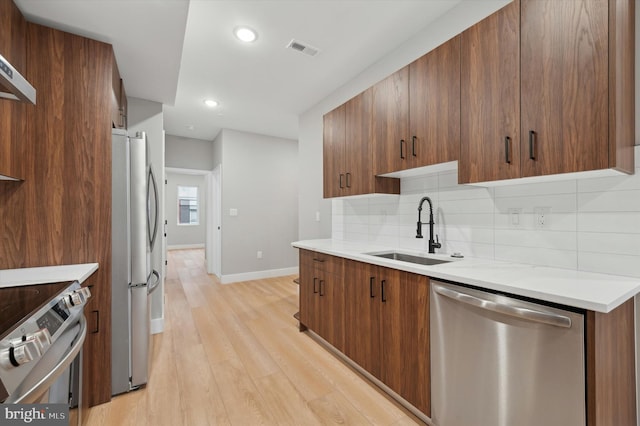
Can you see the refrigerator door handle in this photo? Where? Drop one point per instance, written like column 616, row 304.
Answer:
column 152, row 287
column 505, row 308
column 151, row 183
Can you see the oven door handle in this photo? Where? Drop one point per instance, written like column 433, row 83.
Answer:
column 42, row 384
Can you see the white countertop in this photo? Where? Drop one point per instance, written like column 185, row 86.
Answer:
column 46, row 274
column 586, row 290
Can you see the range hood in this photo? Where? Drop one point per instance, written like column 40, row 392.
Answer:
column 13, row 85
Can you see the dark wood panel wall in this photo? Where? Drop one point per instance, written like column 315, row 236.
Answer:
column 61, row 212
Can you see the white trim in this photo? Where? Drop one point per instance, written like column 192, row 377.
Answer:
column 181, row 171
column 185, row 246
column 257, row 275
column 157, row 325
column 552, row 178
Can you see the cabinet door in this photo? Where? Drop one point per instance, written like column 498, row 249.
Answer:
column 308, row 287
column 124, row 107
column 13, row 47
column 434, row 106
column 391, row 122
column 116, row 95
column 331, row 301
column 333, row 152
column 362, row 315
column 404, row 323
column 490, row 90
column 357, row 152
column 564, row 72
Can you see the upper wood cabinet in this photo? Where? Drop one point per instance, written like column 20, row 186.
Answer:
column 574, row 85
column 347, row 151
column 13, row 42
column 118, row 99
column 571, row 104
column 391, row 122
column 490, row 88
column 13, row 37
column 417, row 112
column 434, row 106
column 333, row 137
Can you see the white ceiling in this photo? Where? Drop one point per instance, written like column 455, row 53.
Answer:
column 180, row 52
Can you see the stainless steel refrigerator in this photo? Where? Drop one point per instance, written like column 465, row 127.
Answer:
column 133, row 230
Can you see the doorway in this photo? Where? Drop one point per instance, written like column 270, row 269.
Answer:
column 206, row 231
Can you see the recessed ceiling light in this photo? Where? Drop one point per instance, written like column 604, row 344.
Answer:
column 210, row 103
column 245, row 34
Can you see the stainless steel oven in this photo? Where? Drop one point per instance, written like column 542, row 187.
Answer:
column 42, row 330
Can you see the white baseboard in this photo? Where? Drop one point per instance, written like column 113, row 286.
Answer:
column 157, row 325
column 257, row 275
column 185, row 246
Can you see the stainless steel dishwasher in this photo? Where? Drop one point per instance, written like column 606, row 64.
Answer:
column 500, row 361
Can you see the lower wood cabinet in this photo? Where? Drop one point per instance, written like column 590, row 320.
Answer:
column 387, row 328
column 376, row 316
column 322, row 296
column 379, row 318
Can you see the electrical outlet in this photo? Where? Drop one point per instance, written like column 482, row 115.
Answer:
column 542, row 217
column 259, row 255
column 317, row 216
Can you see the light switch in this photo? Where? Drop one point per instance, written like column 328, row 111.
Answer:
column 233, row 212
column 514, row 217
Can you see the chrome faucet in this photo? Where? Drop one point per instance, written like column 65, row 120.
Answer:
column 432, row 244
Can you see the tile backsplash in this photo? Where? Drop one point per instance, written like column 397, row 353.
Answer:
column 591, row 224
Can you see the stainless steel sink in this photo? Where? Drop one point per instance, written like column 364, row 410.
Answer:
column 404, row 257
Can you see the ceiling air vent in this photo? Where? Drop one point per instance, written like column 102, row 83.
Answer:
column 302, row 48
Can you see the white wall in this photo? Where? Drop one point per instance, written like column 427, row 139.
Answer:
column 184, row 236
column 188, row 153
column 259, row 181
column 146, row 116
column 593, row 224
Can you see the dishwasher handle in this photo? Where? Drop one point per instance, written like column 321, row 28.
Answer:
column 533, row 315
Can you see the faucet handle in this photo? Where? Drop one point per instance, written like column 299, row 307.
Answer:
column 437, row 243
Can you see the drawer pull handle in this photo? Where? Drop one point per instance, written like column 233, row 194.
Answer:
column 532, row 145
column 507, row 150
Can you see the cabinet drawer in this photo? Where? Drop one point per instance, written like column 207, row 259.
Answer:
column 327, row 263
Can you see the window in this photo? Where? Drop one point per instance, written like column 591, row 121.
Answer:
column 187, row 205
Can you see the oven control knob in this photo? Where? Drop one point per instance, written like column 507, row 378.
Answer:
column 77, row 297
column 85, row 292
column 15, row 356
column 42, row 338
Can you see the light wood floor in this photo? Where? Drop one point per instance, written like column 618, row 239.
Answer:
column 232, row 355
